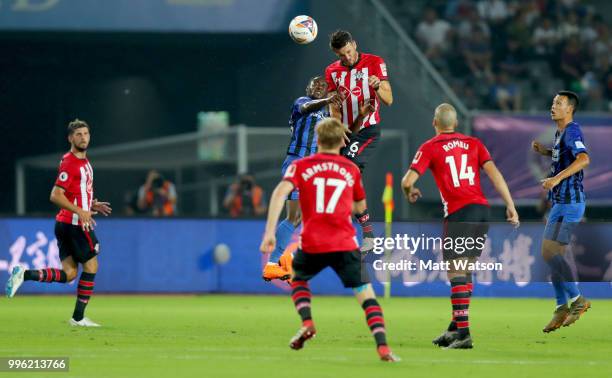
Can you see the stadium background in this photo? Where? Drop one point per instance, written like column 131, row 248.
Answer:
column 144, row 70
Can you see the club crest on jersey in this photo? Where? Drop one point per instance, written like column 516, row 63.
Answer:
column 359, row 75
column 383, row 69
column 290, row 171
column 63, row 176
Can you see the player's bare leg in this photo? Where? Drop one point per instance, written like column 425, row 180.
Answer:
column 84, row 292
column 47, row 275
column 277, row 267
column 70, row 267
column 564, row 286
column 376, row 322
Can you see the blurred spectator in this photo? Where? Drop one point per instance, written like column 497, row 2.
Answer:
column 587, row 31
column 433, row 34
column 536, row 42
column 518, row 30
column 505, row 95
column 494, row 11
column 569, row 27
column 602, row 45
column 545, row 39
column 245, row 198
column 531, row 12
column 477, row 53
column 457, row 9
column 472, row 23
column 157, row 196
column 571, row 64
column 513, row 60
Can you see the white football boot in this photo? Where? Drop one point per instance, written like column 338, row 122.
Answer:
column 85, row 322
column 14, row 281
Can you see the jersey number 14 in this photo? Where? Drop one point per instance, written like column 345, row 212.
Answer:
column 321, row 183
column 465, row 173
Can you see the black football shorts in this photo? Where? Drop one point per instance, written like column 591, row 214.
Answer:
column 469, row 222
column 362, row 145
column 73, row 241
column 347, row 266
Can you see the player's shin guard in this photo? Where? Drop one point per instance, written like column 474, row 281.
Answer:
column 557, row 283
column 364, row 222
column 460, row 300
column 561, row 271
column 470, row 288
column 300, row 294
column 84, row 292
column 45, row 275
column 284, row 231
column 375, row 320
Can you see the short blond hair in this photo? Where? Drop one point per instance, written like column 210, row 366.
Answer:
column 446, row 116
column 330, row 133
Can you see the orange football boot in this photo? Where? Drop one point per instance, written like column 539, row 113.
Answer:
column 286, row 262
column 275, row 272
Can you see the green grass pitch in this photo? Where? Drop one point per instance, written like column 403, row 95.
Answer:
column 247, row 336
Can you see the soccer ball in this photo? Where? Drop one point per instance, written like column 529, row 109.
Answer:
column 221, row 254
column 303, row 29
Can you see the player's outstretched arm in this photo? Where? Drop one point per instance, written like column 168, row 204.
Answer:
column 314, row 105
column 59, row 199
column 410, row 178
column 277, row 201
column 500, row 185
column 581, row 162
column 540, row 148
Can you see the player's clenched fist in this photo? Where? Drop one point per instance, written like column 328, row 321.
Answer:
column 413, row 195
column 539, row 148
column 374, row 82
column 268, row 243
column 549, row 183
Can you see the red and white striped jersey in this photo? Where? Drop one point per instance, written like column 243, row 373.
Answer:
column 352, row 84
column 75, row 176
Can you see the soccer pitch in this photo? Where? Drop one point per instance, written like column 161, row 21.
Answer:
column 247, row 336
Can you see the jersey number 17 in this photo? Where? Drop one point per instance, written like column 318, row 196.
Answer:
column 321, row 183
